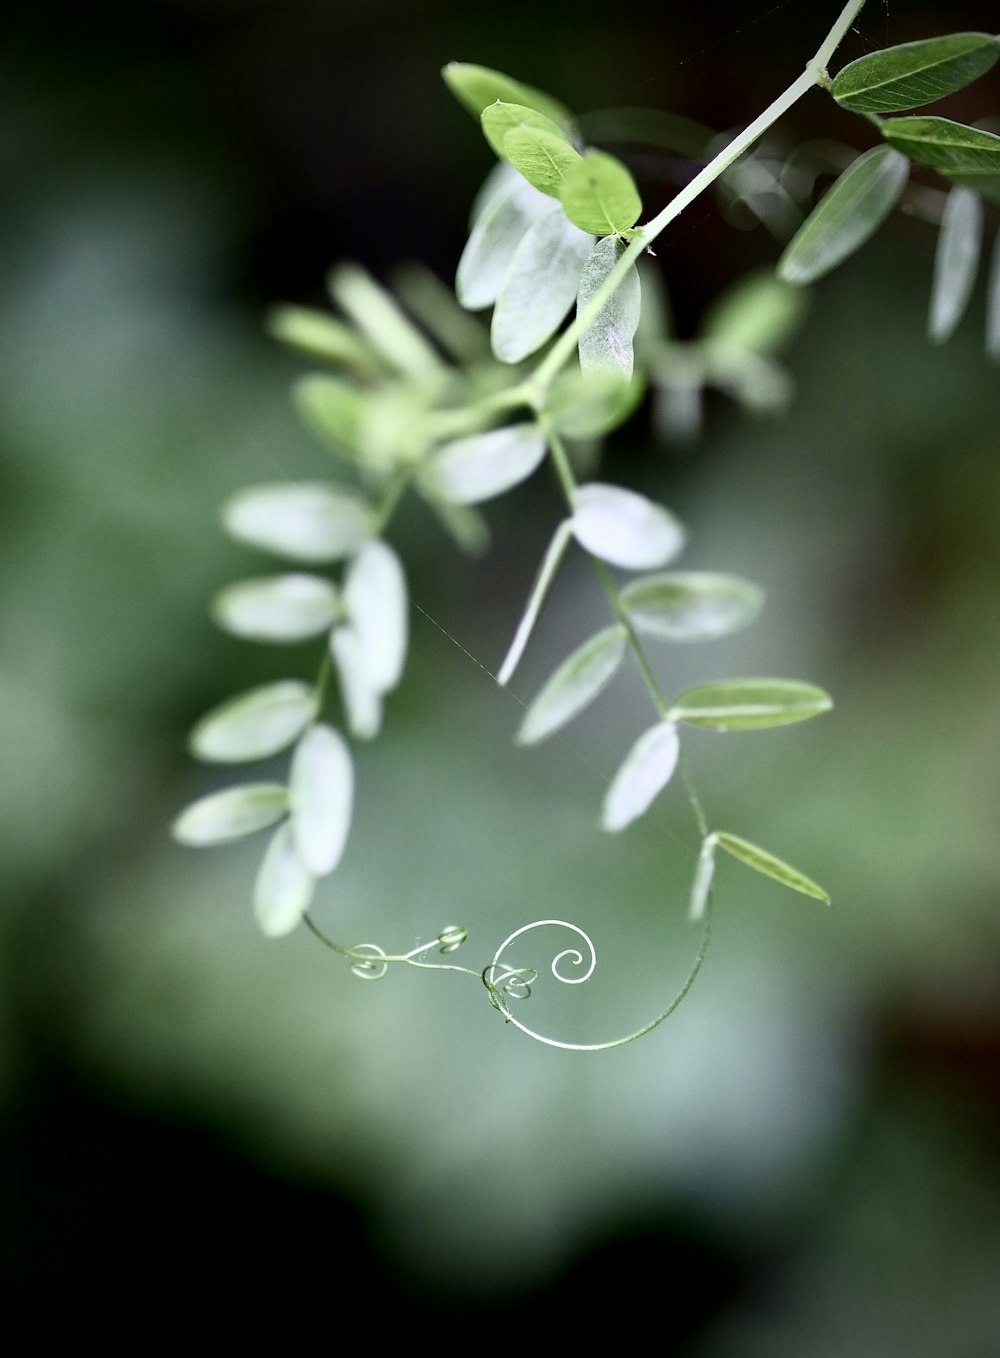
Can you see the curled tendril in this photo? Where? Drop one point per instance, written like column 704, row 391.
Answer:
column 368, row 961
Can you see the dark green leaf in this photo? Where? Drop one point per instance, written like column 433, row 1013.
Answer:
column 965, row 155
column 691, row 605
column 956, row 262
column 762, row 861
column 849, row 214
column 540, row 286
column 574, row 685
column 599, row 195
column 914, row 73
column 748, row 704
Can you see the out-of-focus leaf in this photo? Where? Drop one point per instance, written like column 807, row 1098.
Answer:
column 539, row 287
column 703, row 875
column 574, row 685
column 379, row 317
column 583, row 405
column 955, row 262
column 278, row 608
column 542, row 157
column 625, row 528
column 748, row 704
column 477, row 86
column 762, row 861
column 647, row 769
column 307, row 521
column 255, row 724
column 284, row 887
column 607, row 340
column 321, row 336
column 362, row 702
column 376, row 604
column 434, row 304
column 333, row 408
column 231, row 814
column 472, row 469
column 965, row 155
column 691, row 605
column 321, row 796
column 846, row 216
column 500, row 118
column 465, row 525
column 599, row 195
column 494, row 238
column 554, row 554
column 993, row 305
column 759, row 314
column 914, row 73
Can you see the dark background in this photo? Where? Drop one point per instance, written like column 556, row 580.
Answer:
column 805, row 1160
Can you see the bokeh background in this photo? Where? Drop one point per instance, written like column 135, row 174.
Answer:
column 804, row 1160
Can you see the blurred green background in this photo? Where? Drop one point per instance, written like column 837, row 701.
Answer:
column 804, row 1160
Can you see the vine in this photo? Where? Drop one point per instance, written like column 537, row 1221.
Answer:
column 456, row 417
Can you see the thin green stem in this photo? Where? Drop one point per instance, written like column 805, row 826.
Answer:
column 814, row 74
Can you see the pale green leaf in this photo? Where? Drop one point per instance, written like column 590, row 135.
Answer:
column 993, row 305
column 584, row 405
column 965, row 155
column 362, row 701
column 574, row 685
column 542, row 157
column 914, row 73
column 307, row 521
column 472, row 469
column 477, row 86
column 647, row 769
column 551, row 561
column 624, row 528
column 500, row 118
column 956, row 262
column 846, row 216
column 599, row 195
column 376, row 603
column 762, row 861
column 748, row 704
column 321, row 336
column 759, row 314
column 333, row 408
column 321, row 796
column 278, row 608
column 539, row 288
column 434, row 304
column 231, row 814
column 607, row 341
column 495, row 236
column 691, row 605
column 465, row 525
column 255, row 724
column 284, row 887
column 703, row 874
column 382, row 321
